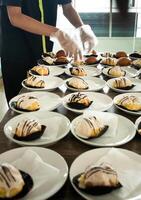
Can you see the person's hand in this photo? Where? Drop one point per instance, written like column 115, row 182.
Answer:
column 88, row 38
column 71, row 48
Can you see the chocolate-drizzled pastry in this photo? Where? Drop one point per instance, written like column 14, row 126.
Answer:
column 97, row 180
column 40, row 70
column 78, row 71
column 116, row 71
column 34, row 82
column 123, row 83
column 109, row 61
column 131, row 103
column 77, row 83
column 135, row 55
column 106, row 54
column 14, row 184
column 79, row 101
column 29, row 129
column 90, row 127
column 27, row 103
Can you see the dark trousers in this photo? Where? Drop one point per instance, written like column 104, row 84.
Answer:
column 13, row 74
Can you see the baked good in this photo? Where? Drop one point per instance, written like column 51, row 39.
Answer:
column 34, row 82
column 116, row 71
column 106, row 54
column 120, row 54
column 14, row 184
column 131, row 103
column 91, row 53
column 77, row 71
column 123, row 83
column 97, row 180
column 91, row 60
column 109, row 61
column 78, row 63
column 79, row 101
column 27, row 103
column 28, row 129
column 48, row 54
column 60, row 53
column 48, row 60
column 135, row 55
column 40, row 70
column 77, row 83
column 137, row 63
column 61, row 60
column 123, row 61
column 90, row 127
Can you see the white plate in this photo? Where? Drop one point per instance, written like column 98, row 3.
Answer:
column 137, row 122
column 81, row 162
column 136, row 88
column 94, row 84
column 130, row 72
column 51, row 83
column 127, row 94
column 51, row 134
column 48, row 156
column 53, row 71
column 48, row 101
column 89, row 70
column 101, row 102
column 114, row 136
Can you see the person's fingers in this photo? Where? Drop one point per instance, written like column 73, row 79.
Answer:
column 80, row 55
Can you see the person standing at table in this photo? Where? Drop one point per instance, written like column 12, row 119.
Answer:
column 27, row 26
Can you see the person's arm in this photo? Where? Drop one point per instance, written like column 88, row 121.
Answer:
column 71, row 14
column 19, row 20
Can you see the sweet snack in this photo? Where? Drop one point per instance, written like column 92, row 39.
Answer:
column 109, row 61
column 60, row 53
column 131, row 103
column 48, row 60
column 34, row 82
column 27, row 103
column 97, row 180
column 123, row 83
column 78, row 63
column 40, row 70
column 48, row 54
column 92, row 53
column 28, row 129
column 116, row 71
column 106, row 54
column 14, row 183
column 91, row 60
column 137, row 63
column 61, row 60
column 120, row 54
column 77, row 71
column 135, row 55
column 123, row 61
column 77, row 83
column 79, row 101
column 90, row 127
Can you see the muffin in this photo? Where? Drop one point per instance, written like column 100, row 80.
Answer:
column 40, row 70
column 28, row 130
column 116, row 72
column 27, row 103
column 14, row 184
column 123, row 83
column 60, row 53
column 61, row 60
column 90, row 127
column 97, row 180
column 123, row 61
column 77, row 71
column 131, row 103
column 120, row 54
column 109, row 61
column 77, row 83
column 91, row 60
column 79, row 101
column 34, row 82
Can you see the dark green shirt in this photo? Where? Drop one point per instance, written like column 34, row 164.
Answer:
column 19, row 44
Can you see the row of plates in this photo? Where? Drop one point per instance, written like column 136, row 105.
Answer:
column 54, row 171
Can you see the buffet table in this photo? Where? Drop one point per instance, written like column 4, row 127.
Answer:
column 69, row 147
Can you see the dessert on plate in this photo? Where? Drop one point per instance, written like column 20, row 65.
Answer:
column 61, row 53
column 123, row 61
column 137, row 63
column 77, row 71
column 106, row 54
column 40, row 70
column 91, row 60
column 123, row 83
column 77, row 83
column 34, row 82
column 120, row 54
column 61, row 60
column 109, row 61
column 116, row 71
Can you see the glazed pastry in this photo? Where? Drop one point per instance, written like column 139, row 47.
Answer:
column 123, row 61
column 120, row 54
column 131, row 103
column 91, row 60
column 79, row 101
column 106, row 54
column 109, row 61
column 60, row 53
column 90, row 127
column 27, row 103
column 61, row 60
column 34, row 82
column 14, row 184
column 137, row 63
column 116, row 71
column 92, row 53
column 97, row 180
column 123, row 83
column 78, row 71
column 29, row 129
column 77, row 83
column 40, row 70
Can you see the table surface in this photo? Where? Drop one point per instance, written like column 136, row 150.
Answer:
column 69, row 147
